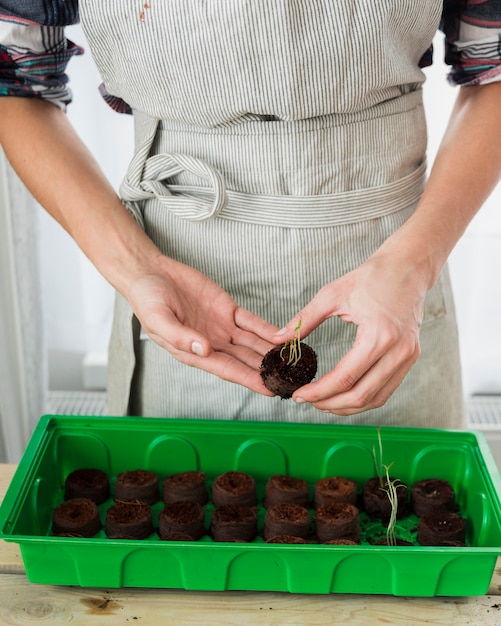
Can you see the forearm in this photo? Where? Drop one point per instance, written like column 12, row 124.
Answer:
column 465, row 171
column 62, row 175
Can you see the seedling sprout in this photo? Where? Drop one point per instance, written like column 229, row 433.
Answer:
column 294, row 346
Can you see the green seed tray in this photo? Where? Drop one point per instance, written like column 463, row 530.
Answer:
column 61, row 444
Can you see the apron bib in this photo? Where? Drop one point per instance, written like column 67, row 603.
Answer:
column 273, row 174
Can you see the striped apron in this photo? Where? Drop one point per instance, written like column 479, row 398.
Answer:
column 278, row 144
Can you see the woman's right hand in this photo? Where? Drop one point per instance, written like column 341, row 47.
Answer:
column 199, row 324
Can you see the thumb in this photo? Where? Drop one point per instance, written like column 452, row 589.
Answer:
column 304, row 322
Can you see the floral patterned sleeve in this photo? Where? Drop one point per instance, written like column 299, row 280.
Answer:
column 472, row 31
column 34, row 51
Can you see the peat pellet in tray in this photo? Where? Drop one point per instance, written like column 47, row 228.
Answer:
column 77, row 517
column 338, row 520
column 236, row 488
column 90, row 483
column 431, row 494
column 441, row 528
column 129, row 520
column 234, row 523
column 137, row 486
column 282, row 489
column 286, row 519
column 185, row 518
column 185, row 487
column 335, row 489
column 375, row 498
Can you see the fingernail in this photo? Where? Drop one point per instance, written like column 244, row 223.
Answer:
column 196, row 348
column 282, row 331
column 298, row 400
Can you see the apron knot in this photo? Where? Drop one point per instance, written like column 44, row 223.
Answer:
column 147, row 179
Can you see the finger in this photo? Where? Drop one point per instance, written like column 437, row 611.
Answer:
column 310, row 317
column 228, row 368
column 377, row 351
column 353, row 403
column 371, row 391
column 247, row 321
column 251, row 342
column 181, row 338
column 247, row 355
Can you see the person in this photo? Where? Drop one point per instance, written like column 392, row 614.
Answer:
column 279, row 175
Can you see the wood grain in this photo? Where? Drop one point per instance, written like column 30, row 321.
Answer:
column 24, row 603
column 10, row 556
column 6, row 473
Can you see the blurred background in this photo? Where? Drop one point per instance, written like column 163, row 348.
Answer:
column 56, row 326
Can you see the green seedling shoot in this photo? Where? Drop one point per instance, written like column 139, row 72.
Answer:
column 391, row 491
column 294, row 346
column 378, row 459
column 387, row 485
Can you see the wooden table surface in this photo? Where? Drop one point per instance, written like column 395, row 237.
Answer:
column 23, row 603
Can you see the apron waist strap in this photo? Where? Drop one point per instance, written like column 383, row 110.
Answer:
column 145, row 181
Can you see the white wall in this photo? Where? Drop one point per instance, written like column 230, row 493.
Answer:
column 78, row 301
column 476, row 260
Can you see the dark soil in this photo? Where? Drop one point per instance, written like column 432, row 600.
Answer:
column 88, row 483
column 234, row 523
column 286, row 519
column 282, row 378
column 185, row 487
column 432, row 494
column 185, row 518
column 237, row 488
column 376, row 502
column 287, row 539
column 440, row 528
column 338, row 520
column 281, row 489
column 177, row 537
column 136, row 485
column 129, row 520
column 335, row 489
column 78, row 517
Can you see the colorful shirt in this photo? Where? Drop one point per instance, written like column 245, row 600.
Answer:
column 34, row 51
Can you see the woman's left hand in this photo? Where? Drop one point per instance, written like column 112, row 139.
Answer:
column 385, row 300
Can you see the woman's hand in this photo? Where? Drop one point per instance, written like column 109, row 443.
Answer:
column 384, row 296
column 385, row 300
column 200, row 325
